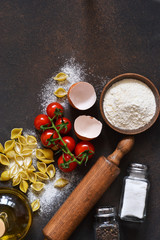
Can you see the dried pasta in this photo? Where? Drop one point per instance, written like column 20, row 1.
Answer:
column 14, row 170
column 60, row 92
column 1, row 148
column 31, row 169
column 4, row 160
column 27, row 162
column 26, row 152
column 35, row 205
column 31, row 140
column 9, row 145
column 11, row 154
column 32, row 177
column 22, row 140
column 44, row 154
column 23, row 186
column 61, row 182
column 37, row 186
column 18, row 148
column 23, row 175
column 42, row 176
column 5, row 176
column 16, row 132
column 41, row 167
column 60, row 76
column 18, row 154
column 19, row 160
column 16, row 180
column 47, row 161
column 51, row 171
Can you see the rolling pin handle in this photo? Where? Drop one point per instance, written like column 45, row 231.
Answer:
column 123, row 147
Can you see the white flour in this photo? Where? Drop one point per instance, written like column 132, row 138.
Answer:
column 75, row 74
column 50, row 197
column 129, row 104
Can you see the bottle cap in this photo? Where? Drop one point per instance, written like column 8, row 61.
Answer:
column 106, row 212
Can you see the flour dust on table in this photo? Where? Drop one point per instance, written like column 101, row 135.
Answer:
column 51, row 198
column 75, row 72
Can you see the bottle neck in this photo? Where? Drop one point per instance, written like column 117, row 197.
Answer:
column 3, row 223
column 105, row 214
column 137, row 170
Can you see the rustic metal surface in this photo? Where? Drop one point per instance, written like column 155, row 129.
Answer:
column 109, row 38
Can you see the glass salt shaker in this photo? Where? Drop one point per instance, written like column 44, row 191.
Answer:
column 106, row 226
column 134, row 194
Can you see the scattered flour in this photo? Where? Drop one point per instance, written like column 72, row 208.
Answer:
column 129, row 104
column 50, row 197
column 75, row 72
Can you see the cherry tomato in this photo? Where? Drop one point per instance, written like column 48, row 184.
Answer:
column 54, row 109
column 70, row 142
column 84, row 150
column 67, row 157
column 64, row 122
column 46, row 135
column 40, row 120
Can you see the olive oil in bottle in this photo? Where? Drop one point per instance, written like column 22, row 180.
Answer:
column 15, row 214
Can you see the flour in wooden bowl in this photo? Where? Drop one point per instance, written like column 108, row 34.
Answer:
column 129, row 104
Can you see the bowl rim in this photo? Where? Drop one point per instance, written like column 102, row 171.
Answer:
column 143, row 79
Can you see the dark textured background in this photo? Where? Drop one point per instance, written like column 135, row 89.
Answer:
column 109, row 37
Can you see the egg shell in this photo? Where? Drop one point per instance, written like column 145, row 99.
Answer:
column 81, row 95
column 87, row 128
column 69, row 100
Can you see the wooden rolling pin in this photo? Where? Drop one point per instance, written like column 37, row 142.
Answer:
column 87, row 193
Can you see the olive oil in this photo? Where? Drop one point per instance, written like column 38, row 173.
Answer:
column 15, row 214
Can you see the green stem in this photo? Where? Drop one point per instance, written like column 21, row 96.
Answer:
column 64, row 144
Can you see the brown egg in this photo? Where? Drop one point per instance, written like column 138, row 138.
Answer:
column 87, row 127
column 82, row 95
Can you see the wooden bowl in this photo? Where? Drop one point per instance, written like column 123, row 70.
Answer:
column 149, row 84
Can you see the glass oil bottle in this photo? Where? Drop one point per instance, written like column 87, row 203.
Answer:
column 15, row 214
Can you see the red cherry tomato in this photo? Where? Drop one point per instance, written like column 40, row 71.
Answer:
column 40, row 120
column 66, row 123
column 67, row 157
column 70, row 142
column 47, row 135
column 54, row 109
column 84, row 150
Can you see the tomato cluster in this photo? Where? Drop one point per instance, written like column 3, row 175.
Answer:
column 52, row 126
